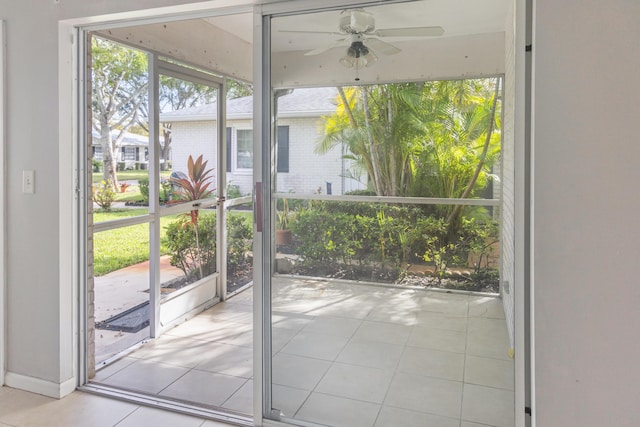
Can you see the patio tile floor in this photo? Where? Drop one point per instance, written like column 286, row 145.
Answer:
column 344, row 354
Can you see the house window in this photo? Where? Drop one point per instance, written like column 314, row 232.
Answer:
column 97, row 153
column 129, row 153
column 229, row 150
column 244, row 149
column 283, row 149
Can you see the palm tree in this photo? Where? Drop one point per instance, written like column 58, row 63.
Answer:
column 433, row 139
column 374, row 124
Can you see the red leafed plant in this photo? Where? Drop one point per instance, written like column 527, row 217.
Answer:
column 194, row 187
column 197, row 185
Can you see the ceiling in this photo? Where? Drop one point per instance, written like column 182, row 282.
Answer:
column 472, row 44
column 457, row 17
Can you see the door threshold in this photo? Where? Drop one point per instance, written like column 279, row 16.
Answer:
column 159, row 402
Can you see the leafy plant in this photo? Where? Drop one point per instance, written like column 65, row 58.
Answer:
column 104, row 195
column 195, row 187
column 166, row 190
column 239, row 240
column 342, row 235
column 143, row 183
column 192, row 247
column 282, row 222
column 233, row 191
column 197, row 184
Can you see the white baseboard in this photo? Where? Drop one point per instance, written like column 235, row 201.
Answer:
column 38, row 386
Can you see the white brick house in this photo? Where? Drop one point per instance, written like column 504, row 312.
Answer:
column 300, row 127
column 131, row 149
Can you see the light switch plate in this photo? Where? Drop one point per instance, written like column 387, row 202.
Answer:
column 28, row 181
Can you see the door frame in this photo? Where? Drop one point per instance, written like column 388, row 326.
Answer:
column 160, row 67
column 3, row 177
column 70, row 41
column 263, row 177
column 217, row 281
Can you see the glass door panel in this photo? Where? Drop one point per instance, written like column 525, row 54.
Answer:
column 119, row 144
column 384, row 217
column 121, row 289
column 188, row 204
column 188, row 151
column 239, row 226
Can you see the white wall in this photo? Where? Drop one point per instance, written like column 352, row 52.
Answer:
column 194, row 138
column 586, row 202
column 585, row 169
column 307, row 171
column 40, row 321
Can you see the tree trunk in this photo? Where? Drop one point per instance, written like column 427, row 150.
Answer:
column 109, row 159
column 472, row 182
column 347, row 107
column 164, row 148
column 377, row 185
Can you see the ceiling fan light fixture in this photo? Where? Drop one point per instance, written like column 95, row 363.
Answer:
column 358, row 56
column 370, row 58
column 348, row 61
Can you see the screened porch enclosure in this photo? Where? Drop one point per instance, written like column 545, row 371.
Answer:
column 379, row 207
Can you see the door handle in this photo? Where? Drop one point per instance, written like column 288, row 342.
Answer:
column 257, row 207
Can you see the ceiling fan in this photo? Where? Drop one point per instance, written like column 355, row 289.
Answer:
column 358, row 31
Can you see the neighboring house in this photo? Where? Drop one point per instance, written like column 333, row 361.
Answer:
column 133, row 150
column 300, row 127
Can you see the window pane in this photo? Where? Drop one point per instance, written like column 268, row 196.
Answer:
column 245, row 149
column 283, row 148
column 130, row 153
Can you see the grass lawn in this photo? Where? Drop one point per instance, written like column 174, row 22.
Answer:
column 122, row 247
column 131, row 175
column 131, row 194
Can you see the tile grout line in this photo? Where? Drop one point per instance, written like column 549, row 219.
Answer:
column 328, row 369
column 395, row 372
column 236, row 392
column 127, row 416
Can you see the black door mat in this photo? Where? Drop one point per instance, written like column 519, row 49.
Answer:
column 132, row 320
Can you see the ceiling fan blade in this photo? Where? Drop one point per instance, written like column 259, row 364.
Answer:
column 410, row 32
column 382, row 46
column 331, row 33
column 323, row 49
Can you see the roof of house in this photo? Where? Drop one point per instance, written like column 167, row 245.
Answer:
column 306, row 102
column 129, row 139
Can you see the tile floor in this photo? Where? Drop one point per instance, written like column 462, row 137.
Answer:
column 21, row 409
column 343, row 355
column 376, row 356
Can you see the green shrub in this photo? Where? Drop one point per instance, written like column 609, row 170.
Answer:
column 389, row 236
column 324, row 237
column 166, row 190
column 195, row 258
column 239, row 240
column 233, row 192
column 143, row 184
column 104, row 195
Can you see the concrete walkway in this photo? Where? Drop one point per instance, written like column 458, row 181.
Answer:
column 119, row 291
column 122, row 289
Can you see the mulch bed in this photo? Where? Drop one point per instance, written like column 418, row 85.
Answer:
column 457, row 280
